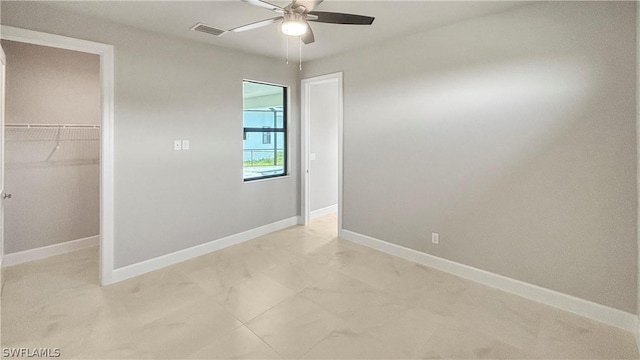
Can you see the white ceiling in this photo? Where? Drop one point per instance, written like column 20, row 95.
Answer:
column 393, row 19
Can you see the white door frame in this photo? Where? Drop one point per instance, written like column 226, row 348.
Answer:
column 106, row 154
column 3, row 67
column 305, row 141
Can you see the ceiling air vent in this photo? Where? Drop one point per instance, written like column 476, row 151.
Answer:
column 208, row 29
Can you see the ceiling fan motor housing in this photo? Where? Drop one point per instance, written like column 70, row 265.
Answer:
column 295, row 16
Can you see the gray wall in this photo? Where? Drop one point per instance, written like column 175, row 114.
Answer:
column 323, row 121
column 51, row 86
column 167, row 89
column 512, row 135
column 55, row 195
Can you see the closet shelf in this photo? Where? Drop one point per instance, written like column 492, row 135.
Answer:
column 52, row 126
column 54, row 140
column 29, row 145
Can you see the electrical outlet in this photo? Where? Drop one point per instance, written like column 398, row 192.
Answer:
column 435, row 238
column 185, row 144
column 177, row 144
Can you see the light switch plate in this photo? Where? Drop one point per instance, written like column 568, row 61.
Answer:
column 185, row 144
column 177, row 144
column 312, row 156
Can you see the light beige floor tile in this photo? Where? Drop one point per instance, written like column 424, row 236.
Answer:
column 105, row 339
column 252, row 253
column 336, row 253
column 72, row 270
column 13, row 299
column 70, row 321
column 349, row 344
column 75, row 264
column 185, row 331
column 409, row 330
column 32, row 283
column 503, row 316
column 240, row 343
column 439, row 296
column 13, row 273
column 567, row 336
column 196, row 264
column 342, row 295
column 293, row 240
column 456, row 341
column 301, row 292
column 112, row 352
column 414, row 278
column 434, row 290
column 299, row 274
column 404, row 328
column 294, row 326
column 372, row 314
column 325, row 227
column 152, row 296
column 374, row 268
column 254, row 296
column 222, row 273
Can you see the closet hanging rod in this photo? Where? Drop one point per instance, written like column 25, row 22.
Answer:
column 52, row 126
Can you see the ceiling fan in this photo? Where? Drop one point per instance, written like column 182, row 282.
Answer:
column 295, row 17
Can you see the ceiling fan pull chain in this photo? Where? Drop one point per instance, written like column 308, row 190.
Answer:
column 300, row 55
column 287, row 50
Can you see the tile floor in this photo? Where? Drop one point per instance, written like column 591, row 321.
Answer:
column 297, row 293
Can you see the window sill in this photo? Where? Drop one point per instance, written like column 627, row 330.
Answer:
column 267, row 179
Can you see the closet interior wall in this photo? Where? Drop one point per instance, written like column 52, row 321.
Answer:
column 52, row 146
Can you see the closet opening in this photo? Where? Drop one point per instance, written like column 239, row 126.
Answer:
column 53, row 119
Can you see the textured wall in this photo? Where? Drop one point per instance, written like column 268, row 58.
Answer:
column 51, row 86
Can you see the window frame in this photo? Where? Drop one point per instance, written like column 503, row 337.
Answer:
column 266, row 137
column 275, row 131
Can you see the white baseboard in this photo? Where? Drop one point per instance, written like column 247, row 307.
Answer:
column 324, row 211
column 598, row 312
column 636, row 332
column 160, row 262
column 51, row 250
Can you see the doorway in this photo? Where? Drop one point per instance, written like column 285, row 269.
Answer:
column 322, row 147
column 3, row 62
column 86, row 133
column 52, row 151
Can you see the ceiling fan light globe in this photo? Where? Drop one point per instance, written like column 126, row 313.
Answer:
column 294, row 27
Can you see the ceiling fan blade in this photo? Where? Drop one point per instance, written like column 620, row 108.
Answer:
column 308, row 4
column 257, row 24
column 308, row 38
column 340, row 18
column 265, row 5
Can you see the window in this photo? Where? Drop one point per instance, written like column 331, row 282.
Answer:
column 265, row 130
